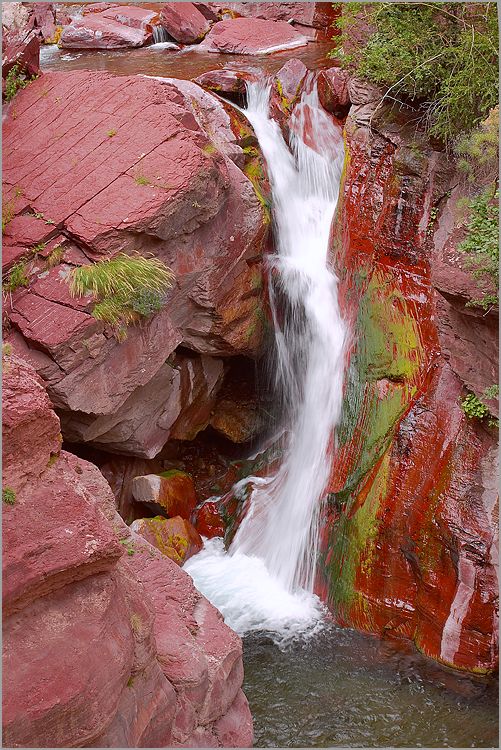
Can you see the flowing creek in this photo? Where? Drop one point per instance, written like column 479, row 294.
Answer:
column 360, row 691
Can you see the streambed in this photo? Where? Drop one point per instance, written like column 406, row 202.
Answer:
column 343, row 688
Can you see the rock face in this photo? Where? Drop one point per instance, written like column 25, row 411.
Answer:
column 184, row 22
column 252, row 36
column 137, row 658
column 100, row 31
column 170, row 184
column 410, row 529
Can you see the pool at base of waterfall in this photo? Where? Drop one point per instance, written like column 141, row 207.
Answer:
column 343, row 688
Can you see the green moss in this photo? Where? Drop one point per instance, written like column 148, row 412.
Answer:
column 8, row 495
column 15, row 80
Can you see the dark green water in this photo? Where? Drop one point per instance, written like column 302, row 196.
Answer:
column 347, row 689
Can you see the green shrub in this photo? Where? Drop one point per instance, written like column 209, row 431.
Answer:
column 17, row 278
column 478, row 151
column 473, row 407
column 14, row 81
column 8, row 495
column 481, row 243
column 439, row 58
column 125, row 288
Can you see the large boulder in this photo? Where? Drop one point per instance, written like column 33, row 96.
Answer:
column 98, row 31
column 133, row 16
column 333, row 91
column 184, row 22
column 316, row 15
column 252, row 36
column 106, row 641
column 20, row 51
column 169, row 184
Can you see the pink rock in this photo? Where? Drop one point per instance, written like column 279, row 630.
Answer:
column 133, row 16
column 21, row 51
column 252, row 36
column 317, row 15
column 184, row 22
column 97, row 7
column 333, row 91
column 96, row 31
column 225, row 81
column 30, row 428
column 235, row 729
column 202, row 217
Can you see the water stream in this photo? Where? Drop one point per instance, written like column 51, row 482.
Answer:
column 266, row 580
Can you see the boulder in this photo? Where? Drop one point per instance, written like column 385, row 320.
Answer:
column 133, row 16
column 176, row 538
column 184, row 22
column 106, row 641
column 170, row 185
column 21, row 51
column 225, row 82
column 333, row 91
column 238, row 421
column 96, row 31
column 315, row 15
column 172, row 490
column 15, row 17
column 252, row 36
column 208, row 521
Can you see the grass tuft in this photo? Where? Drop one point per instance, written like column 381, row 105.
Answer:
column 126, row 288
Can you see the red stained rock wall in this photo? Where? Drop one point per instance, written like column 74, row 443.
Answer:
column 106, row 642
column 411, row 524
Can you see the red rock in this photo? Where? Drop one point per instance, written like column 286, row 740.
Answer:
column 235, row 728
column 135, row 17
column 96, row 31
column 137, row 657
column 120, row 473
column 317, row 15
column 30, row 429
column 208, row 521
column 225, row 81
column 175, row 537
column 207, row 12
column 333, row 91
column 21, row 51
column 252, row 36
column 287, row 82
column 97, row 7
column 15, row 17
column 213, row 246
column 172, row 490
column 184, row 22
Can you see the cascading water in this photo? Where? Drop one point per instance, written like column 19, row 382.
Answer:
column 265, row 581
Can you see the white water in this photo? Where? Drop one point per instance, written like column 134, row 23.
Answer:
column 265, row 581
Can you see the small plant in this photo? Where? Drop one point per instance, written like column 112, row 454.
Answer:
column 126, row 288
column 491, row 392
column 15, row 81
column 481, row 243
column 38, row 248
column 141, row 180
column 8, row 495
column 129, row 546
column 38, row 215
column 111, row 133
column 17, row 278
column 7, row 213
column 6, row 350
column 55, row 257
column 473, row 407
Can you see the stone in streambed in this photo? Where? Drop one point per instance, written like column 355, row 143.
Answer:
column 176, row 538
column 208, row 520
column 173, row 490
column 252, row 36
column 333, row 91
column 184, row 22
column 96, row 31
column 23, row 52
column 225, row 81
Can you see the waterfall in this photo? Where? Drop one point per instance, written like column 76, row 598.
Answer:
column 266, row 579
column 161, row 36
